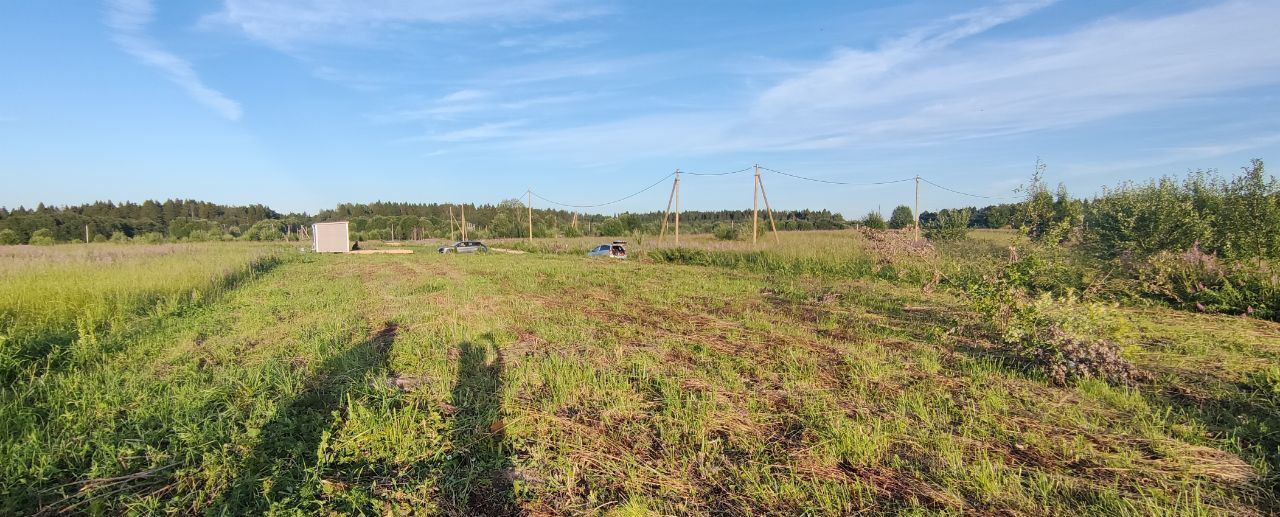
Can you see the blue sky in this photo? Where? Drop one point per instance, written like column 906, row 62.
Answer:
column 305, row 104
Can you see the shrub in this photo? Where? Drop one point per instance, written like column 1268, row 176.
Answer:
column 1046, row 218
column 99, row 238
column 726, row 232
column 950, row 225
column 186, row 227
column 1060, row 335
column 1235, row 219
column 42, row 237
column 874, row 221
column 270, row 230
column 1200, row 281
column 612, row 227
column 149, row 238
column 901, row 218
column 8, row 237
column 203, row 235
column 1143, row 219
column 1247, row 224
column 119, row 236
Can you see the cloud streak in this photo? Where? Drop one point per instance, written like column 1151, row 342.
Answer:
column 939, row 83
column 481, row 132
column 1107, row 69
column 477, row 102
column 289, row 23
column 128, row 20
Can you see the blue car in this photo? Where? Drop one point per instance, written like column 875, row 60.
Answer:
column 617, row 249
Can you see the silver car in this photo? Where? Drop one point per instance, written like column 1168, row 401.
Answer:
column 464, row 247
column 617, row 249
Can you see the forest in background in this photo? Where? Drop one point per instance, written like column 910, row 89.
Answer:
column 191, row 220
column 1232, row 216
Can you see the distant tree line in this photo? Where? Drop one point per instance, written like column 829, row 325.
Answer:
column 105, row 220
column 510, row 218
column 1235, row 217
column 191, row 220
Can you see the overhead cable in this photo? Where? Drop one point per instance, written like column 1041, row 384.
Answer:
column 806, row 178
column 619, row 200
column 953, row 191
column 739, row 171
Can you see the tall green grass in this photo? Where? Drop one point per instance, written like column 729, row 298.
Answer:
column 56, row 303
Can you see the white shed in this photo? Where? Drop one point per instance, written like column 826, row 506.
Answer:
column 330, row 237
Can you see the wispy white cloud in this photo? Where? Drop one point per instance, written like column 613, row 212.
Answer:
column 128, row 20
column 845, row 79
column 1114, row 67
column 539, row 43
column 482, row 132
column 476, row 102
column 546, row 71
column 939, row 83
column 363, row 80
column 288, row 23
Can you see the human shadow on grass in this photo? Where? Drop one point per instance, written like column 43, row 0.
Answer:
column 478, row 475
column 282, row 468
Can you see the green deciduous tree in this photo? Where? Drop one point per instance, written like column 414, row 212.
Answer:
column 612, row 227
column 901, row 217
column 874, row 221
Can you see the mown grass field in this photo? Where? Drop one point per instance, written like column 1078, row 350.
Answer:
column 234, row 379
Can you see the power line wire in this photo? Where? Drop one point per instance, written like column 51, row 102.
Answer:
column 806, row 178
column 739, row 171
column 619, row 200
column 954, row 191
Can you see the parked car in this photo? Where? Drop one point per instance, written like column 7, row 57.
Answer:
column 464, row 247
column 616, row 249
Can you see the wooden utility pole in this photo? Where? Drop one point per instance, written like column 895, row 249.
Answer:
column 917, row 214
column 665, row 215
column 463, row 209
column 677, row 207
column 86, row 234
column 755, row 205
column 453, row 223
column 772, row 226
column 530, row 194
column 574, row 224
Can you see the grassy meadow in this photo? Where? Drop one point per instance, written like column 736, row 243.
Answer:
column 828, row 374
column 55, row 302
